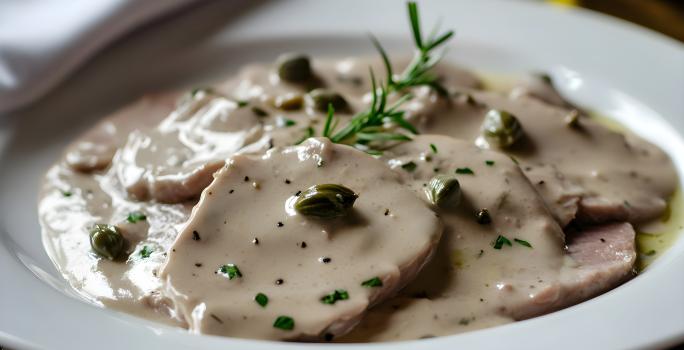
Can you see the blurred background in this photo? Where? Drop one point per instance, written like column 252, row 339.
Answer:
column 665, row 16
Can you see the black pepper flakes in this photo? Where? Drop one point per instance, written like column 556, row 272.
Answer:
column 255, row 241
column 287, row 181
column 195, row 236
column 324, row 259
column 198, row 264
column 246, row 178
column 280, row 224
column 303, row 245
column 387, row 212
column 279, row 281
column 231, row 191
column 298, row 193
column 603, row 240
column 329, row 336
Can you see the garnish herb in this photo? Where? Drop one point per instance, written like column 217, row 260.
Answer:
column 284, row 323
column 466, row 171
column 522, row 242
column 145, row 252
column 242, row 103
column 418, row 71
column 489, row 162
column 261, row 299
column 332, row 298
column 285, row 122
column 66, row 193
column 433, row 148
column 500, row 241
column 325, row 201
column 373, row 282
column 444, row 189
column 410, row 166
column 135, row 217
column 230, row 270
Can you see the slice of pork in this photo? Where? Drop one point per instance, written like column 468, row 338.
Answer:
column 175, row 161
column 599, row 259
column 246, row 218
column 582, row 171
column 96, row 147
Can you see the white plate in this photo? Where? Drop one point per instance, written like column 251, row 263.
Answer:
column 613, row 67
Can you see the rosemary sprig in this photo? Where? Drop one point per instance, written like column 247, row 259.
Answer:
column 417, row 73
column 369, row 125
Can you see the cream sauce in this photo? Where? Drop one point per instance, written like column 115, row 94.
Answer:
column 157, row 152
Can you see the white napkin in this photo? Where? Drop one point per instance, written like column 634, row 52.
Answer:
column 43, row 41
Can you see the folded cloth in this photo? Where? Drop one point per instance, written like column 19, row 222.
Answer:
column 43, row 41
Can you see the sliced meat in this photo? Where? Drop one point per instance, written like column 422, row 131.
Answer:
column 601, row 258
column 94, row 149
column 471, row 274
column 586, row 166
column 175, row 161
column 246, row 218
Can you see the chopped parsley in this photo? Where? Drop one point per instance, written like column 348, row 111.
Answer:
column 489, row 162
column 66, row 193
column 284, row 323
column 145, row 252
column 650, row 252
column 135, row 217
column 242, row 103
column 332, row 298
column 410, row 166
column 373, row 282
column 285, row 122
column 467, row 171
column 230, row 270
column 433, row 148
column 523, row 242
column 261, row 299
column 500, row 241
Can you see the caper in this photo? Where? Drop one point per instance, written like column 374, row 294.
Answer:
column 501, row 128
column 325, row 201
column 289, row 102
column 295, row 68
column 319, row 99
column 572, row 119
column 443, row 190
column 106, row 240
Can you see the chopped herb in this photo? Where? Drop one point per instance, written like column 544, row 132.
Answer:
column 373, row 282
column 231, row 270
column 374, row 152
column 489, row 162
column 332, row 298
column 483, row 217
column 145, row 252
column 135, row 217
column 242, row 103
column 467, row 171
column 285, row 122
column 515, row 160
column 523, row 242
column 216, row 318
column 465, row 321
column 261, row 299
column 410, row 166
column 433, row 148
column 66, row 193
column 259, row 112
column 195, row 236
column 284, row 323
column 500, row 241
column 650, row 252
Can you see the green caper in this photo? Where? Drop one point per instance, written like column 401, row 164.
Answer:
column 106, row 240
column 294, row 68
column 289, row 102
column 501, row 128
column 319, row 99
column 443, row 190
column 325, row 201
